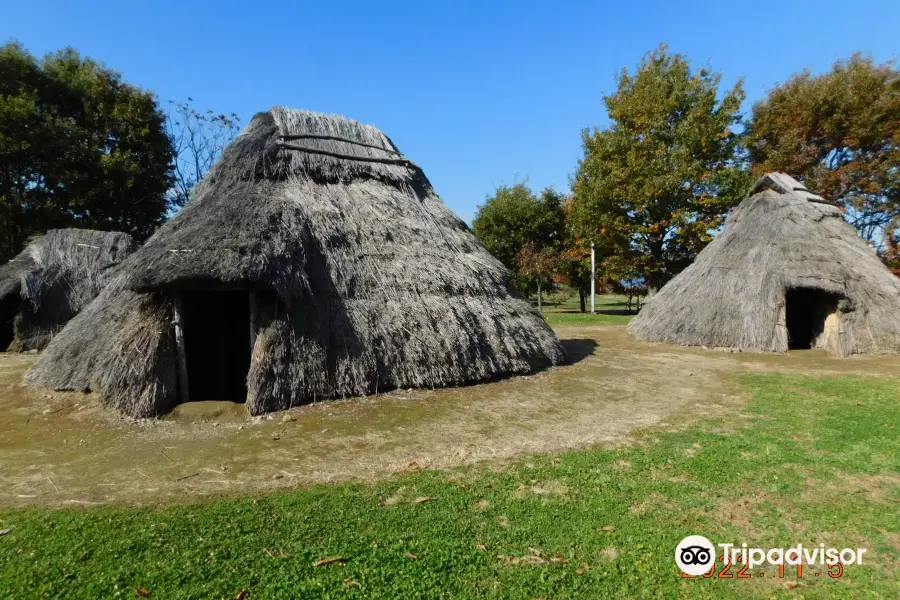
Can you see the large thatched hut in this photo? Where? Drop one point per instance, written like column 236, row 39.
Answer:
column 314, row 261
column 52, row 279
column 787, row 272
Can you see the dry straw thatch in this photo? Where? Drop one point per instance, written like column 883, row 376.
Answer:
column 364, row 280
column 53, row 278
column 786, row 266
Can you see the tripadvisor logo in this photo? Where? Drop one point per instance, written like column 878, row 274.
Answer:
column 695, row 555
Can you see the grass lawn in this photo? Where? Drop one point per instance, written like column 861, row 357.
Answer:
column 611, row 310
column 809, row 460
column 559, row 318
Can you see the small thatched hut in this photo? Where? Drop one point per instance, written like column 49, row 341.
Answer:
column 52, row 279
column 314, row 261
column 787, row 272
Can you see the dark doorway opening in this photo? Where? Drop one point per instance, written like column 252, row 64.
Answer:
column 9, row 306
column 805, row 312
column 217, row 344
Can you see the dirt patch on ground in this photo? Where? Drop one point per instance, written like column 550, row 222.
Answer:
column 62, row 449
column 741, row 513
column 654, row 501
column 882, row 488
column 546, row 488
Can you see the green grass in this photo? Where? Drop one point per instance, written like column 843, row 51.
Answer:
column 608, row 307
column 555, row 318
column 809, row 460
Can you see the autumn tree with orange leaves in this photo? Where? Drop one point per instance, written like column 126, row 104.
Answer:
column 892, row 252
column 539, row 263
column 839, row 132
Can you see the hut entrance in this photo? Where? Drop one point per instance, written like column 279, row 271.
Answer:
column 217, row 343
column 8, row 308
column 806, row 310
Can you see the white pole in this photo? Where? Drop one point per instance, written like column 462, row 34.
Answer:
column 180, row 353
column 593, row 278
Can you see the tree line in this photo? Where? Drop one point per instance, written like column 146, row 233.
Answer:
column 79, row 147
column 655, row 185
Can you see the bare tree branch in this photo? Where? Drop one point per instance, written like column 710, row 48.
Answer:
column 198, row 139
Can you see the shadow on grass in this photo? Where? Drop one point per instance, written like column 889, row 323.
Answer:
column 620, row 312
column 578, row 349
column 574, row 307
column 616, row 312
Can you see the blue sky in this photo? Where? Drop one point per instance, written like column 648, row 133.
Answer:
column 477, row 93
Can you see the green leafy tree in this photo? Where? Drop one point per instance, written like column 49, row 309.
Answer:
column 654, row 184
column 840, row 133
column 573, row 265
column 78, row 148
column 514, row 217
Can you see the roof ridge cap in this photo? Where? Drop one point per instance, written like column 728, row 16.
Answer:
column 783, row 183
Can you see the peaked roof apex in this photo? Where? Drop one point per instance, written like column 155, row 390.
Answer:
column 783, row 183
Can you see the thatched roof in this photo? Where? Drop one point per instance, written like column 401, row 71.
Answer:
column 377, row 283
column 55, row 276
column 782, row 237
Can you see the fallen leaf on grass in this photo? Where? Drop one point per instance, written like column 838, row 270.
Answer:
column 789, row 585
column 559, row 558
column 522, row 560
column 536, row 558
column 240, row 595
column 889, row 426
column 5, row 531
column 348, row 582
column 410, row 556
column 422, row 499
column 584, row 568
column 329, row 560
column 481, row 547
column 608, row 528
column 142, row 591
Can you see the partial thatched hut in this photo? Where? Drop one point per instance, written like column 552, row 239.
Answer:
column 314, row 261
column 52, row 279
column 786, row 272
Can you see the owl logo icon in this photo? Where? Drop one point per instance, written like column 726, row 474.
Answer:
column 694, row 555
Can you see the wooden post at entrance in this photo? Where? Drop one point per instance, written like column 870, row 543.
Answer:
column 253, row 318
column 178, row 321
